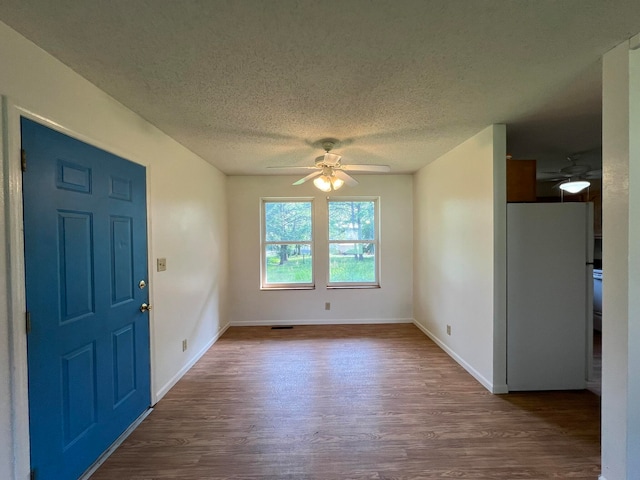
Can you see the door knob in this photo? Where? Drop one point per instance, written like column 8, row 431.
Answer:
column 144, row 307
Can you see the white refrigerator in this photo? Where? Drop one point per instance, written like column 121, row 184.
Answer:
column 549, row 295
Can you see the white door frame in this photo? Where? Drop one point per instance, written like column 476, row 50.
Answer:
column 10, row 142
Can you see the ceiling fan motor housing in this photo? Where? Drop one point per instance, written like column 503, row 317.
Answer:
column 328, row 159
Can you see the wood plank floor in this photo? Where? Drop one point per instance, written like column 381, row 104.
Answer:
column 353, row 402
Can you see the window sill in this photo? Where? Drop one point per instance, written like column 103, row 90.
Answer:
column 351, row 287
column 305, row 287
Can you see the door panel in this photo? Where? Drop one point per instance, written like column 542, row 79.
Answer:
column 121, row 259
column 85, row 253
column 79, row 392
column 124, row 383
column 76, row 266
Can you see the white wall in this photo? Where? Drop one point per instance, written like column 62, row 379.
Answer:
column 620, row 257
column 187, row 220
column 251, row 306
column 189, row 229
column 457, row 222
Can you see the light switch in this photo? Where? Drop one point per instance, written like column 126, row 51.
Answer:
column 162, row 264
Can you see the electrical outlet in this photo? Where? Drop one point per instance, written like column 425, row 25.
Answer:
column 327, row 306
column 162, row 264
column 448, row 329
column 184, row 345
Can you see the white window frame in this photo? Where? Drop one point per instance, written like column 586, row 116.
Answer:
column 375, row 242
column 264, row 285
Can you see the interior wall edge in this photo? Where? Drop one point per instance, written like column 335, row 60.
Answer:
column 500, row 257
column 6, row 398
column 16, row 294
column 615, row 255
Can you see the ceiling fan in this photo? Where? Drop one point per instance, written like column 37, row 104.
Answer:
column 572, row 178
column 330, row 173
column 570, row 171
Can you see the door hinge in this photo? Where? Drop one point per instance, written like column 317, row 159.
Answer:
column 28, row 322
column 23, row 160
column 32, row 475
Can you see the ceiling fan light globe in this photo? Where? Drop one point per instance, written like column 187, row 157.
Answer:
column 336, row 183
column 323, row 183
column 575, row 186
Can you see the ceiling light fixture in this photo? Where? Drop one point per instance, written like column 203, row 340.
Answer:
column 336, row 183
column 330, row 174
column 323, row 183
column 328, row 181
column 574, row 186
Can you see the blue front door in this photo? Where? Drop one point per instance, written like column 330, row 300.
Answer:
column 85, row 256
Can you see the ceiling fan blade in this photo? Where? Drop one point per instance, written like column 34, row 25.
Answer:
column 308, row 177
column 293, row 167
column 593, row 174
column 576, row 169
column 348, row 179
column 550, row 176
column 367, row 168
column 552, row 179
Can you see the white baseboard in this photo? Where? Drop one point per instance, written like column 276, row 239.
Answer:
column 336, row 321
column 472, row 371
column 601, row 477
column 169, row 385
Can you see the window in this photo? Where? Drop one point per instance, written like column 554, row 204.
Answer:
column 287, row 243
column 353, row 242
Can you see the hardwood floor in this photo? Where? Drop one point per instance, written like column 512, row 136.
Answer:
column 353, row 402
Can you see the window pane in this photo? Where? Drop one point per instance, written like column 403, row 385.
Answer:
column 352, row 262
column 289, row 263
column 351, row 220
column 287, row 221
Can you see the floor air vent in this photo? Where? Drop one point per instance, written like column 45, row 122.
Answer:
column 282, row 327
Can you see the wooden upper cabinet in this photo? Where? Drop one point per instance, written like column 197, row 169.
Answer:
column 521, row 180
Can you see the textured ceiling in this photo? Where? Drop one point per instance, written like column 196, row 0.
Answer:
column 249, row 84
